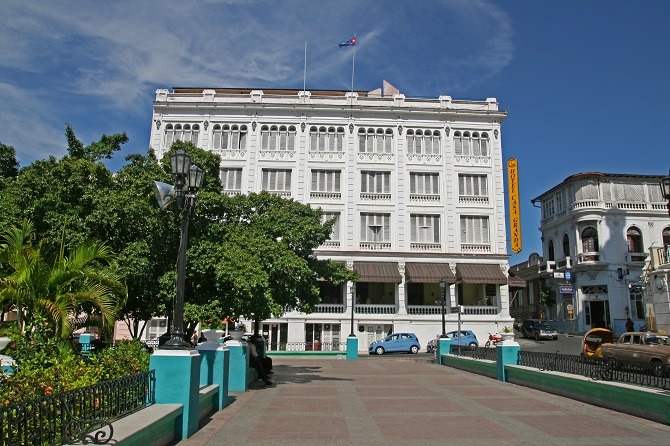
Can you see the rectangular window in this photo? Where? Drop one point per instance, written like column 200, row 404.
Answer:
column 375, row 227
column 548, row 208
column 424, row 183
column 636, row 302
column 335, row 234
column 325, row 181
column 276, row 180
column 475, row 230
column 231, row 179
column 472, row 185
column 425, row 228
column 376, row 182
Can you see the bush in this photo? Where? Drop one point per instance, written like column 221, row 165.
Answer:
column 47, row 365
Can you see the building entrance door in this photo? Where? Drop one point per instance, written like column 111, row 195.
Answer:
column 599, row 311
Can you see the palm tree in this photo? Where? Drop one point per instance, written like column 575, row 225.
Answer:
column 58, row 287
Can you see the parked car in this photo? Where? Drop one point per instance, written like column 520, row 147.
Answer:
column 535, row 328
column 638, row 346
column 466, row 339
column 396, row 342
column 431, row 346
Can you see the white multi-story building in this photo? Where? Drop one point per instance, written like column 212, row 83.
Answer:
column 416, row 186
column 600, row 227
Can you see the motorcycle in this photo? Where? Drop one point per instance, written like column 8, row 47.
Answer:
column 431, row 346
column 493, row 339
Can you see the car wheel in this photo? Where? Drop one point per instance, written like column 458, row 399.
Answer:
column 472, row 345
column 537, row 336
column 414, row 349
column 379, row 350
column 657, row 368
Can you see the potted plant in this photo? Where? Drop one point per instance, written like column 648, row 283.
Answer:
column 507, row 333
column 214, row 331
column 238, row 332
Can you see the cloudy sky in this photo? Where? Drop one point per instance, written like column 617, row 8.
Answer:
column 585, row 83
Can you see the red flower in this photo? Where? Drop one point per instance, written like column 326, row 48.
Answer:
column 48, row 390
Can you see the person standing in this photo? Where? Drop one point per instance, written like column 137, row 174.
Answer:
column 630, row 326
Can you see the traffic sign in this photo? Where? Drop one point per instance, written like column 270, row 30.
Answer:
column 558, row 275
column 569, row 307
column 566, row 289
column 568, row 275
column 455, row 309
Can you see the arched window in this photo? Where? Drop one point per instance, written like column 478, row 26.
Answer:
column 375, row 140
column 550, row 251
column 590, row 240
column 634, row 239
column 666, row 236
column 566, row 245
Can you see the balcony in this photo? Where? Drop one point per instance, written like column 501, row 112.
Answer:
column 375, row 309
column 325, row 196
column 326, row 156
column 425, row 309
column 473, row 200
column 375, row 197
column 546, row 267
column 425, row 246
column 636, row 257
column 277, row 155
column 330, row 244
column 659, row 257
column 564, row 263
column 329, row 308
column 476, row 248
column 375, row 246
column 376, row 157
column 420, row 158
column 590, row 261
column 424, row 198
column 480, row 310
column 231, row 154
column 465, row 160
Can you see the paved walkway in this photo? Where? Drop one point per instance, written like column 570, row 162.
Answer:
column 398, row 401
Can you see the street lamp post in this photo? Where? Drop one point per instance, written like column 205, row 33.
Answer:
column 665, row 190
column 443, row 288
column 353, row 307
column 188, row 179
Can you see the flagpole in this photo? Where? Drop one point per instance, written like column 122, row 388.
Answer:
column 304, row 76
column 353, row 64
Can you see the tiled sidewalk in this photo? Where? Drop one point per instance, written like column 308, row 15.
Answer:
column 397, row 401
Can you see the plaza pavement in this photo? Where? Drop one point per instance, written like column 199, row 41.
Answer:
column 403, row 400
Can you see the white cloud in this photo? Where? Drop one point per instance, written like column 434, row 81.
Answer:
column 110, row 56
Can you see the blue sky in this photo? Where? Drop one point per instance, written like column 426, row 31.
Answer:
column 585, row 83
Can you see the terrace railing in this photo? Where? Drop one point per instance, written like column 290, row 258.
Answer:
column 76, row 416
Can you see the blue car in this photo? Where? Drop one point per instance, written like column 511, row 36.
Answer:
column 396, row 342
column 466, row 339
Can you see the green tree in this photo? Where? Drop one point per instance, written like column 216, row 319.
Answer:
column 59, row 286
column 9, row 167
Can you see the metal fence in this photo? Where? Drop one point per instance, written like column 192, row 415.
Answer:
column 81, row 415
column 307, row 346
column 488, row 354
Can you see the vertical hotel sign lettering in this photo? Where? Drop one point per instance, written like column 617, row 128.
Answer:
column 514, row 220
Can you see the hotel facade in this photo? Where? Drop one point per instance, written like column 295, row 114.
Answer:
column 415, row 185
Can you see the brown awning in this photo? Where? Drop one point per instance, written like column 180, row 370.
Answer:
column 428, row 273
column 517, row 282
column 380, row 272
column 480, row 273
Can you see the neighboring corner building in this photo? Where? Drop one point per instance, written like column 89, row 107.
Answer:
column 416, row 186
column 598, row 230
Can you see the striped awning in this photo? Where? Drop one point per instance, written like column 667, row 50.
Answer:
column 517, row 282
column 379, row 272
column 428, row 273
column 480, row 273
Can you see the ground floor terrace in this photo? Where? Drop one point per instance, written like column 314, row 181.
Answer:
column 408, row 400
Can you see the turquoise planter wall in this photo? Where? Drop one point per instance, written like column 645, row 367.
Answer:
column 178, row 381
column 214, row 370
column 443, row 347
column 239, row 364
column 352, row 347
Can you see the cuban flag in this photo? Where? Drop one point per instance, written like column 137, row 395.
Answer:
column 350, row 42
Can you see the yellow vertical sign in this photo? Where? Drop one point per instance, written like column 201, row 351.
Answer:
column 514, row 219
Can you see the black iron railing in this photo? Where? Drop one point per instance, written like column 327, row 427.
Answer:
column 651, row 374
column 488, row 354
column 76, row 416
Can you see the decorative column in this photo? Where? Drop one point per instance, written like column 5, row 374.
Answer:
column 443, row 348
column 507, row 353
column 239, row 366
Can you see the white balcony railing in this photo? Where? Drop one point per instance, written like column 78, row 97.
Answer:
column 473, row 247
column 425, row 246
column 279, row 155
column 587, row 257
column 480, row 311
column 375, row 197
column 331, row 244
column 414, row 158
column 231, row 154
column 564, row 263
column 547, row 267
column 425, row 309
column 424, row 198
column 375, row 309
column 329, row 308
column 327, row 156
column 325, row 195
column 471, row 199
column 375, row 246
